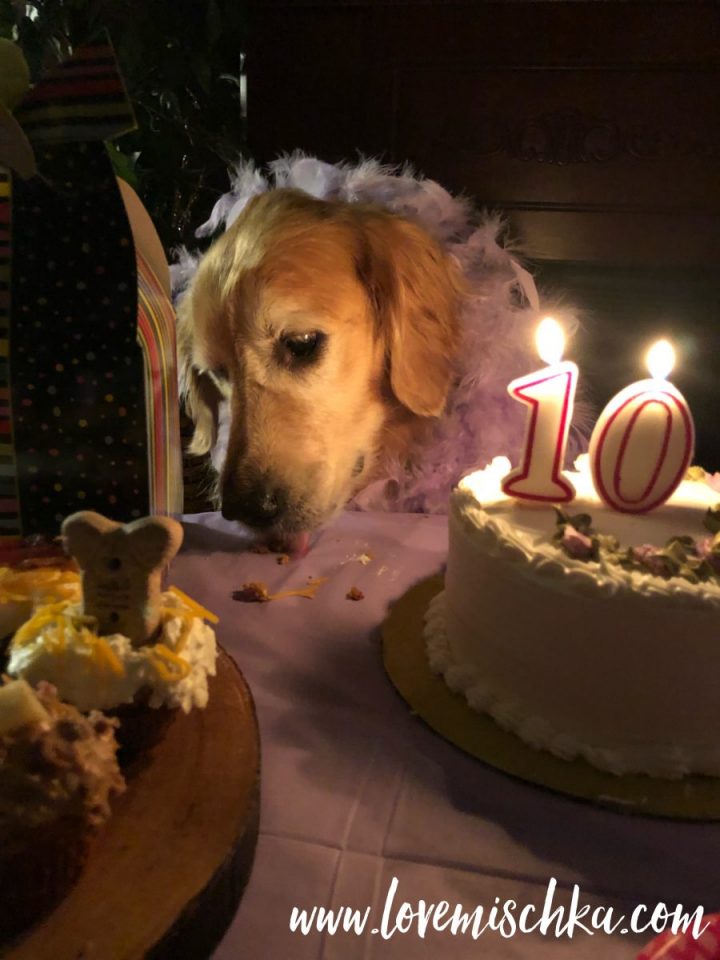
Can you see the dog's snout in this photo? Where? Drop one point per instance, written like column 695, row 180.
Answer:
column 257, row 506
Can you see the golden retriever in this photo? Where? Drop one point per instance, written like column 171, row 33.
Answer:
column 331, row 330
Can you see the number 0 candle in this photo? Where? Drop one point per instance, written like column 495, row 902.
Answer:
column 643, row 442
column 549, row 394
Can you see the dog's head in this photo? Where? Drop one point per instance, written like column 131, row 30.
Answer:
column 330, row 329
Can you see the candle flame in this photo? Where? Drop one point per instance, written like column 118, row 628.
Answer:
column 660, row 359
column 550, row 340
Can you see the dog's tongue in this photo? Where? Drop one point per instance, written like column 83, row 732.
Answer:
column 295, row 544
column 298, row 544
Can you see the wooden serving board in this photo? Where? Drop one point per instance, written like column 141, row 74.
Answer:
column 166, row 875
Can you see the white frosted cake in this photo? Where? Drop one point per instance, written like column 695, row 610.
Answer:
column 598, row 638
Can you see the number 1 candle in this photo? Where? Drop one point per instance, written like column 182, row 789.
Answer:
column 549, row 395
column 643, row 442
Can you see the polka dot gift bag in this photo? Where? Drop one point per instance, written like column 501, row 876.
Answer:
column 88, row 395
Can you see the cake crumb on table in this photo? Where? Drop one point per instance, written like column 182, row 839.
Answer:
column 283, row 559
column 354, row 594
column 255, row 592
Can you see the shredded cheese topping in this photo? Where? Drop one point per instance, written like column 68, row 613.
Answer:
column 307, row 592
column 47, row 583
column 168, row 665
column 62, row 621
column 63, row 624
column 193, row 606
column 103, row 653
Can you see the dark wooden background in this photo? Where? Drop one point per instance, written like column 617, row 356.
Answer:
column 593, row 124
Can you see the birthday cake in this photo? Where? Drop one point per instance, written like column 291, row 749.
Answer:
column 588, row 633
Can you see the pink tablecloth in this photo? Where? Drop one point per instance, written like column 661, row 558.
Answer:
column 356, row 791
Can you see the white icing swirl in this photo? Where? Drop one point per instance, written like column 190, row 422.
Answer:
column 656, row 760
column 522, row 535
column 91, row 683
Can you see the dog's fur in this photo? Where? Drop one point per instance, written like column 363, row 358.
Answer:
column 307, row 436
column 428, row 319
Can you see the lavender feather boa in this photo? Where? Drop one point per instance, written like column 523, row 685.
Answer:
column 498, row 318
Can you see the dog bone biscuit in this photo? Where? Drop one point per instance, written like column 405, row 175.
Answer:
column 121, row 569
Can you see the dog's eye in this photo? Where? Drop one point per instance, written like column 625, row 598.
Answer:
column 302, row 346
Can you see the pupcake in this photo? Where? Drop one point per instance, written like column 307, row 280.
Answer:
column 58, row 775
column 124, row 645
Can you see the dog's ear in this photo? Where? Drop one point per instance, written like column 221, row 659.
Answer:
column 199, row 394
column 416, row 290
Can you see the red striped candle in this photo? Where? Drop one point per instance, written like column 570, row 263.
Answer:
column 644, row 439
column 549, row 395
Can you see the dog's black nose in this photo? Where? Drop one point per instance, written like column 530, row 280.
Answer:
column 257, row 506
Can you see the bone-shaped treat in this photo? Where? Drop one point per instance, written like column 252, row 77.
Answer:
column 121, row 568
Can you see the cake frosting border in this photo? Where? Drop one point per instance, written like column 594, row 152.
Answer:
column 670, row 763
column 545, row 559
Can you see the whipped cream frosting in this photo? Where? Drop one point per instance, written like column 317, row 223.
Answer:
column 101, row 673
column 578, row 657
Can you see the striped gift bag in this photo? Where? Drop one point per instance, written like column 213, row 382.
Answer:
column 88, row 395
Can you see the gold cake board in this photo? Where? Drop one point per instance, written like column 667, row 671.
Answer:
column 692, row 798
